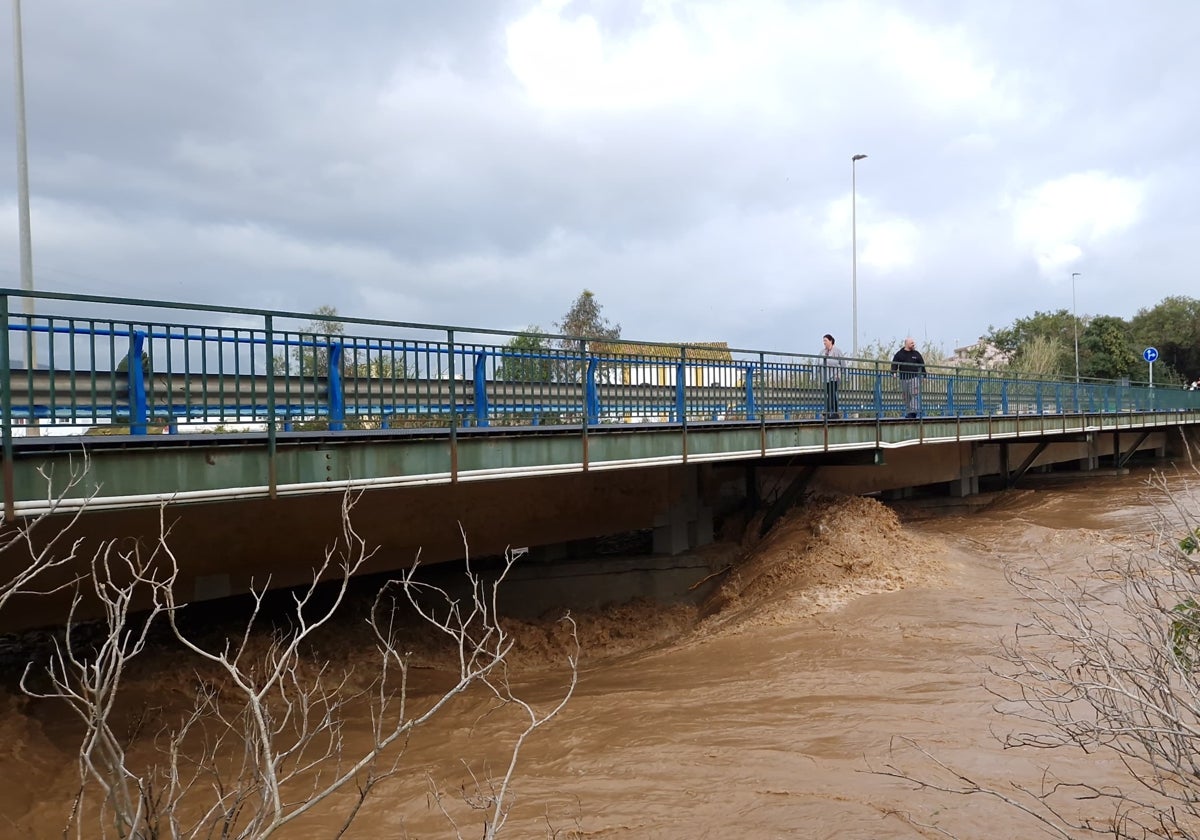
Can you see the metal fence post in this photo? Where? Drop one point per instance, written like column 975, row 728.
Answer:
column 136, row 374
column 6, row 407
column 337, row 398
column 593, row 396
column 272, row 441
column 479, row 382
column 751, row 409
column 453, row 407
column 878, row 391
column 680, row 387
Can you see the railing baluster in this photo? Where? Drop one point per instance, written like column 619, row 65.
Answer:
column 135, row 373
column 592, row 397
column 336, row 399
column 748, row 382
column 6, row 409
column 480, row 390
column 680, row 409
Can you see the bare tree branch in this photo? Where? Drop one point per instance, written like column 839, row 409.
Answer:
column 23, row 559
column 1107, row 663
column 264, row 741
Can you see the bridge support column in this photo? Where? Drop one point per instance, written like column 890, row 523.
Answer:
column 688, row 522
column 964, row 485
column 1091, row 461
column 967, row 483
column 671, row 531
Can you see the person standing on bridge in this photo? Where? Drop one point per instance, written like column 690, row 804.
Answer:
column 908, row 365
column 832, row 363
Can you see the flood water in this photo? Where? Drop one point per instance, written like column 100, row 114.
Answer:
column 760, row 714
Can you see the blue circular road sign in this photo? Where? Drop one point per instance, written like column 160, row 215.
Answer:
column 1150, row 354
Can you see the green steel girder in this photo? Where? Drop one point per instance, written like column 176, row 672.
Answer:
column 226, row 466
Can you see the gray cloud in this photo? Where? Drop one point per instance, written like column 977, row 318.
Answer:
column 692, row 167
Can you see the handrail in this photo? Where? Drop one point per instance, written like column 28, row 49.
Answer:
column 239, row 365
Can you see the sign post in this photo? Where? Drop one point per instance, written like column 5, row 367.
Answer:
column 1150, row 354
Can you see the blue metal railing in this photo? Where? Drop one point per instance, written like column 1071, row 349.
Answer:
column 86, row 365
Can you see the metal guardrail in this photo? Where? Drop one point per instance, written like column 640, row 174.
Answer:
column 83, row 363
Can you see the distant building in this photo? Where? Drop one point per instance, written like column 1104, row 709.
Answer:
column 982, row 354
column 706, row 363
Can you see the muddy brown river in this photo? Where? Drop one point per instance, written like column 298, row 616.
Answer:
column 759, row 714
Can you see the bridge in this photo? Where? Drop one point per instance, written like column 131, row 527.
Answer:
column 251, row 424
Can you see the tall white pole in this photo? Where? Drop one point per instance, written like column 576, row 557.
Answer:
column 1075, row 323
column 23, row 196
column 854, row 251
column 22, row 160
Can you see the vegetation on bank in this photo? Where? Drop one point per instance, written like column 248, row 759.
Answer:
column 1110, row 347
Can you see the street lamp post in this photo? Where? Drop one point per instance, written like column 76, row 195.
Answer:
column 23, row 196
column 1075, row 323
column 854, row 251
column 22, row 159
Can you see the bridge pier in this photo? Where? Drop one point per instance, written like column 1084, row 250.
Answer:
column 1091, row 460
column 688, row 521
column 967, row 483
column 964, row 485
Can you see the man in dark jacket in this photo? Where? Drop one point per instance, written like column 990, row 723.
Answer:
column 909, row 366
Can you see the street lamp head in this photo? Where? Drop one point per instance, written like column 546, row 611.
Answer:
column 857, row 157
column 1075, row 274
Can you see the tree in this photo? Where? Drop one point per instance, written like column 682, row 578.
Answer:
column 262, row 745
column 1106, row 349
column 381, row 364
column 583, row 326
column 583, row 320
column 1057, row 325
column 1055, row 329
column 1039, row 355
column 309, row 358
column 526, row 357
column 1105, row 666
column 1172, row 326
column 26, row 562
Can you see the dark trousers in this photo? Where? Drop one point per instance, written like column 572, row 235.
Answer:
column 831, row 402
column 911, row 387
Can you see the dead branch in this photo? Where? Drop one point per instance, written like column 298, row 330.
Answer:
column 1105, row 663
column 23, row 559
column 263, row 743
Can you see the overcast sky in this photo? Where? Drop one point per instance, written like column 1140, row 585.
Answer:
column 480, row 162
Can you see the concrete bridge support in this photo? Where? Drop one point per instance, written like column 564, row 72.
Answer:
column 967, row 482
column 1091, row 460
column 688, row 520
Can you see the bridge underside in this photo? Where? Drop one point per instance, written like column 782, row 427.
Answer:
column 226, row 540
